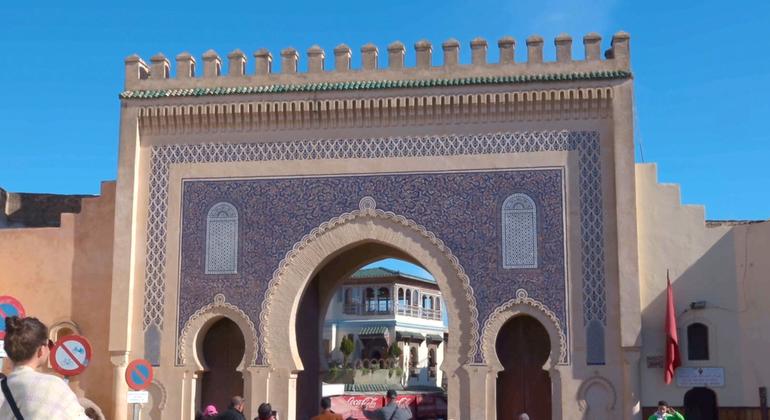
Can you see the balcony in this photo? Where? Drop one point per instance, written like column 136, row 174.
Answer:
column 419, row 312
column 372, row 308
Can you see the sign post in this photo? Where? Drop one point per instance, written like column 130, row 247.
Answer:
column 139, row 374
column 9, row 306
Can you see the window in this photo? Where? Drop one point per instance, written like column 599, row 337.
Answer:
column 519, row 222
column 222, row 239
column 371, row 301
column 413, row 362
column 383, row 300
column 432, row 362
column 595, row 343
column 350, row 307
column 697, row 342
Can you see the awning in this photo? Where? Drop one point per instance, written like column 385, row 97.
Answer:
column 372, row 387
column 409, row 336
column 434, row 338
column 373, row 332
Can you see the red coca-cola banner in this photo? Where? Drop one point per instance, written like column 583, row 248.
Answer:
column 359, row 406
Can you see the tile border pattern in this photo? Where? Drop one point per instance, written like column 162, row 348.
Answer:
column 585, row 143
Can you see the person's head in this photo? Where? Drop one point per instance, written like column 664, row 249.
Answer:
column 26, row 341
column 662, row 406
column 210, row 410
column 265, row 411
column 391, row 395
column 326, row 403
column 237, row 403
column 524, row 416
column 91, row 413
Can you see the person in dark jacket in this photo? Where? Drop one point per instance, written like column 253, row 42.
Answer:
column 265, row 412
column 392, row 411
column 234, row 410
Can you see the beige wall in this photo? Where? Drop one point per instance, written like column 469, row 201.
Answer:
column 64, row 275
column 722, row 265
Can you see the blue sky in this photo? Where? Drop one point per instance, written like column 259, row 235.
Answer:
column 701, row 75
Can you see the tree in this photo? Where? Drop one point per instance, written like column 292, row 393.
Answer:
column 394, row 351
column 346, row 347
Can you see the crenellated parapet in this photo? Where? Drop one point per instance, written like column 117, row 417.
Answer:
column 190, row 78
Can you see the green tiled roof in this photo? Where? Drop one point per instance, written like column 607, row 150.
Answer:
column 375, row 84
column 378, row 272
column 372, row 387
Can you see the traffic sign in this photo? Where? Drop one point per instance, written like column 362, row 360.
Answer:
column 70, row 355
column 139, row 374
column 9, row 306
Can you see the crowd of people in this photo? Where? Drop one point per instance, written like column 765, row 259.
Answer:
column 391, row 411
column 28, row 394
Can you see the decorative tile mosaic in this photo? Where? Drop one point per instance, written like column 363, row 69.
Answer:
column 519, row 239
column 586, row 143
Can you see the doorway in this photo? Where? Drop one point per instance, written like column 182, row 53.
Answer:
column 223, row 348
column 523, row 347
column 337, row 304
column 701, row 404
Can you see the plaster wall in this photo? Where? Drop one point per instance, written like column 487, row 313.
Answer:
column 720, row 265
column 751, row 245
column 63, row 275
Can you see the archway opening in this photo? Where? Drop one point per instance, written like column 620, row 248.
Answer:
column 523, row 347
column 222, row 351
column 701, row 404
column 363, row 327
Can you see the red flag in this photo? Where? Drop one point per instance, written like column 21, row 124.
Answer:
column 672, row 341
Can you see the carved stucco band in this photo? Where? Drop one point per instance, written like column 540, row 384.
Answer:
column 501, row 314
column 367, row 210
column 216, row 309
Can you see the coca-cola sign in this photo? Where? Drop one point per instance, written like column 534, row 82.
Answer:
column 366, row 403
column 356, row 406
column 359, row 406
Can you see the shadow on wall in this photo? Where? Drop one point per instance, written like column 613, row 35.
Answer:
column 36, row 210
column 711, row 278
column 92, row 289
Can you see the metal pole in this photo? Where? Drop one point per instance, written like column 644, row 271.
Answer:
column 137, row 410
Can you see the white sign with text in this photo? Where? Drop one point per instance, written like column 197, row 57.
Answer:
column 138, row 397
column 687, row 377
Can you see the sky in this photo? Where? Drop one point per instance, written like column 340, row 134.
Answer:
column 701, row 74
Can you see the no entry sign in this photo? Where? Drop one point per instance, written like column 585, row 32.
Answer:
column 70, row 355
column 139, row 374
column 9, row 306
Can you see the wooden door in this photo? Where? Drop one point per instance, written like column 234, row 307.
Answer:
column 700, row 404
column 223, row 348
column 523, row 386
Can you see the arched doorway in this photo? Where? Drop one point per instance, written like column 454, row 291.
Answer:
column 223, row 348
column 701, row 404
column 523, row 347
column 338, row 304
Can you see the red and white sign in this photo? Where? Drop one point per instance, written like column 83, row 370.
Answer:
column 139, row 374
column 9, row 306
column 71, row 355
column 358, row 407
